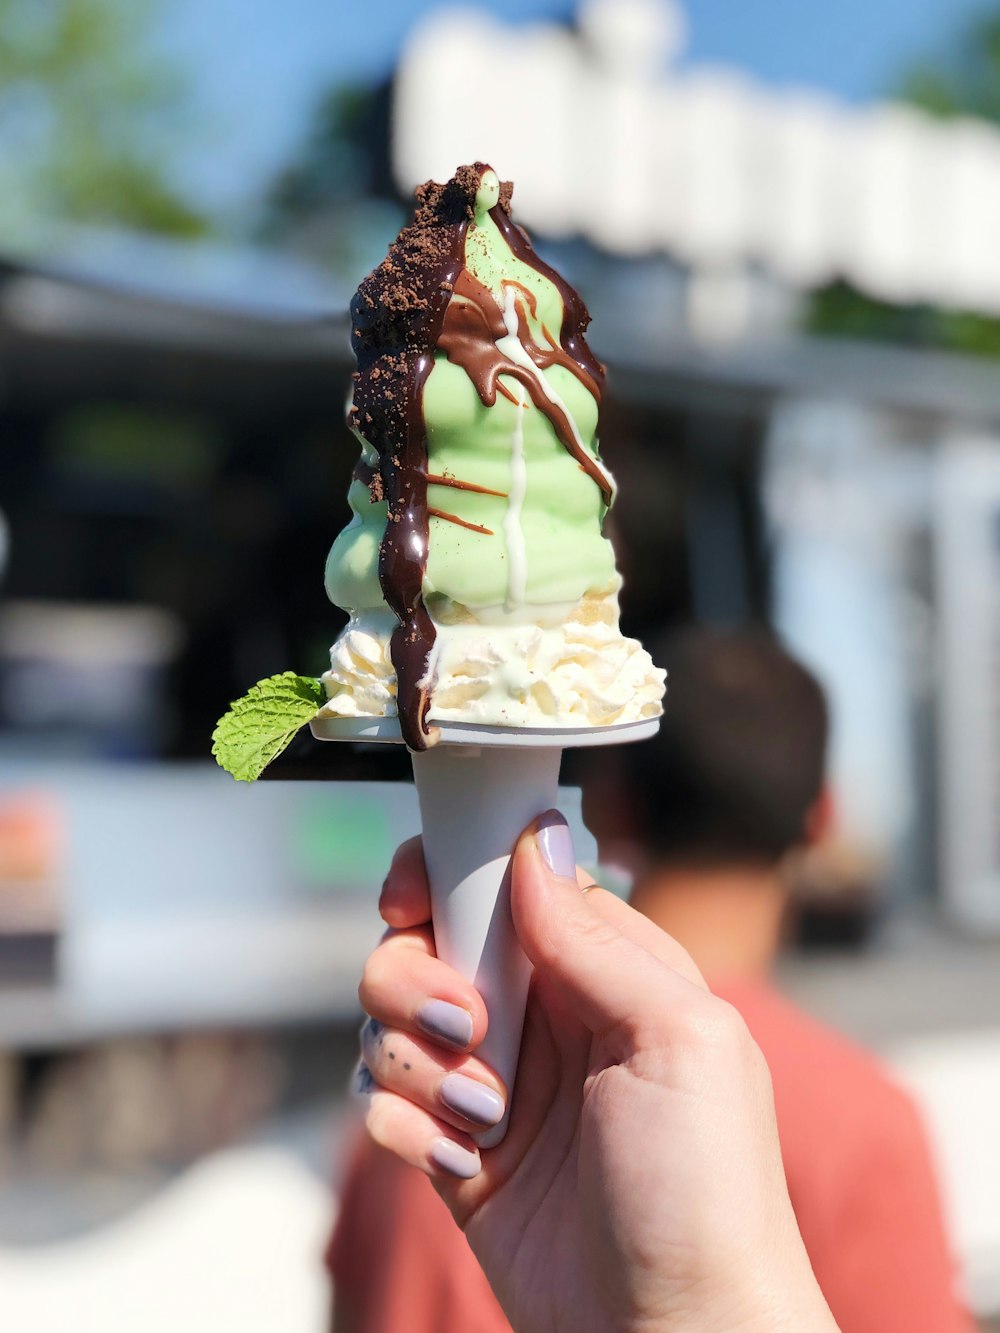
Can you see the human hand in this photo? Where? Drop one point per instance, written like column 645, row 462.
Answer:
column 640, row 1184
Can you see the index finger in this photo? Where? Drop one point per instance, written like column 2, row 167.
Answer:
column 405, row 900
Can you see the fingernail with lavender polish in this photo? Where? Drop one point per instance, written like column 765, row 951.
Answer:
column 446, row 1022
column 555, row 842
column 472, row 1099
column 454, row 1159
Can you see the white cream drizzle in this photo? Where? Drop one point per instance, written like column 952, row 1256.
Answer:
column 517, row 557
column 512, row 348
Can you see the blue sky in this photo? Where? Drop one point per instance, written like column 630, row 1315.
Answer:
column 256, row 70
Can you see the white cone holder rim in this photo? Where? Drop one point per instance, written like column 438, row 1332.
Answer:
column 385, row 731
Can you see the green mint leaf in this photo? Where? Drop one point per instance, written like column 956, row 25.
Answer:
column 259, row 726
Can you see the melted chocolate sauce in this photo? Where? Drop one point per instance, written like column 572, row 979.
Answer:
column 434, row 480
column 576, row 316
column 401, row 313
column 396, row 319
column 370, row 477
column 474, row 324
column 462, row 522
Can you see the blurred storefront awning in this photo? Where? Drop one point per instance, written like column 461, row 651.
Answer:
column 152, row 317
column 155, row 316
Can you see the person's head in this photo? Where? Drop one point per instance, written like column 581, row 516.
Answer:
column 735, row 776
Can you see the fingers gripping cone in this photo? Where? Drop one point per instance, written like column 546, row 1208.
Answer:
column 478, row 790
column 474, row 803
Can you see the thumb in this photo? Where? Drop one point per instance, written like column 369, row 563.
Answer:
column 610, row 981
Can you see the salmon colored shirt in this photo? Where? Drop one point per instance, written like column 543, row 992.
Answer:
column 859, row 1175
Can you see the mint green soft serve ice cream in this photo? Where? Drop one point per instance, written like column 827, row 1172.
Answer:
column 516, row 576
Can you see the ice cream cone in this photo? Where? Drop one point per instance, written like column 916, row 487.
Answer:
column 481, row 589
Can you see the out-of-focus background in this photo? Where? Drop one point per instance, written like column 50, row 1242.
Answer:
column 785, row 220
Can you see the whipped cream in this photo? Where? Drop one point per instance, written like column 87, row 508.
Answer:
column 578, row 671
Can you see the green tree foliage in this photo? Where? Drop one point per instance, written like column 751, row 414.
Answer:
column 339, row 158
column 967, row 81
column 336, row 201
column 87, row 116
column 841, row 311
column 963, row 82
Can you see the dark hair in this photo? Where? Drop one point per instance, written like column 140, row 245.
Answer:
column 741, row 751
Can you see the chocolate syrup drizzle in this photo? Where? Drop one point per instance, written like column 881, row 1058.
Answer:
column 474, row 323
column 443, row 479
column 576, row 316
column 401, row 313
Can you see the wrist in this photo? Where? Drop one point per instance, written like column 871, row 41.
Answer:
column 807, row 1313
column 790, row 1302
column 785, row 1300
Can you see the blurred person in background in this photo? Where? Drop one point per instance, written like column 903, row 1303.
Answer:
column 717, row 802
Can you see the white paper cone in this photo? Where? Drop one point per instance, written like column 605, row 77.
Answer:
column 474, row 802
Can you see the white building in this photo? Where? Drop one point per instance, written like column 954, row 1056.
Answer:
column 881, row 469
column 607, row 139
